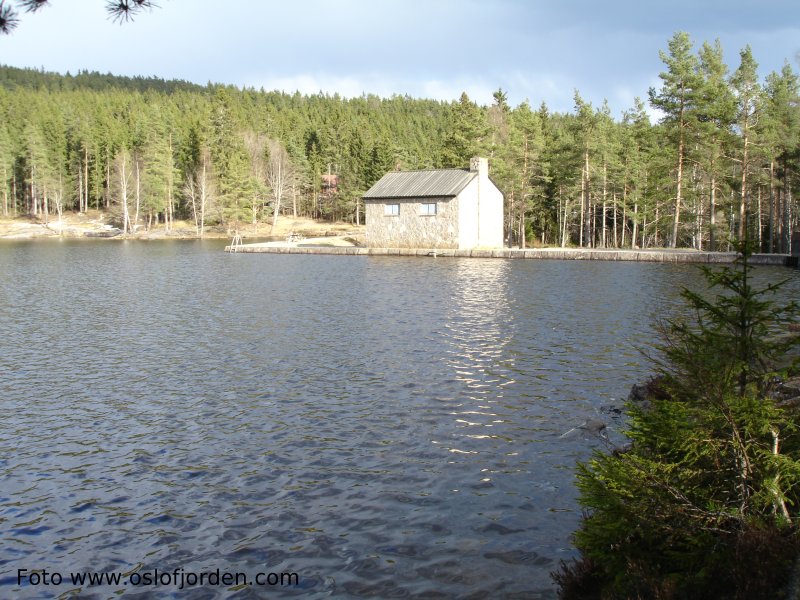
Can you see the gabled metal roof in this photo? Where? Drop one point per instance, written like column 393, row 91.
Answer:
column 421, row 184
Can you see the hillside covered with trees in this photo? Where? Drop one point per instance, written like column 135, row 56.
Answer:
column 723, row 159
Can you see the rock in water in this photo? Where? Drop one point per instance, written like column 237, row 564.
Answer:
column 594, row 426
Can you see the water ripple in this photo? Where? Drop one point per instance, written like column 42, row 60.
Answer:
column 384, row 427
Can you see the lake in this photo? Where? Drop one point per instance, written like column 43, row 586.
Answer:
column 383, row 427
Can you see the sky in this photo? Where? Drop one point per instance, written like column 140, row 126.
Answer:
column 534, row 50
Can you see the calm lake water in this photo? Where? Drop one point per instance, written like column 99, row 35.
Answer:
column 383, row 427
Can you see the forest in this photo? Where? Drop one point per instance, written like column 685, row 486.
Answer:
column 720, row 165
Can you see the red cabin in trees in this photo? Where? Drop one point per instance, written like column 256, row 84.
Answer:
column 330, row 184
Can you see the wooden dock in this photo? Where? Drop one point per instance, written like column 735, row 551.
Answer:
column 659, row 255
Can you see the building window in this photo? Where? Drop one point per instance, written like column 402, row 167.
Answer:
column 391, row 210
column 427, row 209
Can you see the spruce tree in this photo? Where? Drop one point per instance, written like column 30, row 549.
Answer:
column 713, row 469
column 229, row 160
column 467, row 134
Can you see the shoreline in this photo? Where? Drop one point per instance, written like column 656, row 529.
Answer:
column 650, row 255
column 336, row 239
column 93, row 225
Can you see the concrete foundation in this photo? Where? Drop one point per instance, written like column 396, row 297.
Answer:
column 673, row 256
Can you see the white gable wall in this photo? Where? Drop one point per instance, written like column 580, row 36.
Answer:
column 480, row 215
column 490, row 215
column 468, row 216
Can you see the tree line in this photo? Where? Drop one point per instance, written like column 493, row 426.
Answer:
column 721, row 161
column 149, row 152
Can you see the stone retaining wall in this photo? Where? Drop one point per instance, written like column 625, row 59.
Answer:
column 673, row 256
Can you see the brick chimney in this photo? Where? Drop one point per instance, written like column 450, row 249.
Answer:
column 480, row 166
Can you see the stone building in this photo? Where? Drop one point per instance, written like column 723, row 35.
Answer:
column 438, row 208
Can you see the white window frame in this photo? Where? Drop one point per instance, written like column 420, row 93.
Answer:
column 391, row 210
column 425, row 209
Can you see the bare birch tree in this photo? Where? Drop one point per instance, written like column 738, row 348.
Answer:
column 279, row 177
column 137, row 162
column 256, row 146
column 199, row 190
column 122, row 182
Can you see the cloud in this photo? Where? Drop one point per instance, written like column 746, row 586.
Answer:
column 534, row 50
column 354, row 85
column 555, row 90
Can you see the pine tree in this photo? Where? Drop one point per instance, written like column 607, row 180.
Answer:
column 748, row 97
column 6, row 164
column 637, row 145
column 716, row 113
column 497, row 119
column 118, row 10
column 781, row 141
column 676, row 99
column 585, row 125
column 609, row 149
column 528, row 173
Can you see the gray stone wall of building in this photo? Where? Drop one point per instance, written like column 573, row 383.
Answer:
column 410, row 228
